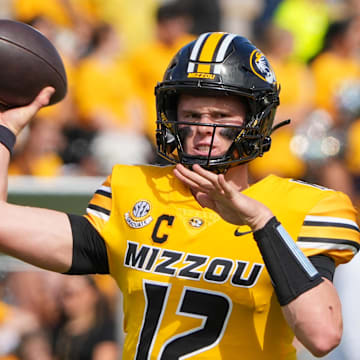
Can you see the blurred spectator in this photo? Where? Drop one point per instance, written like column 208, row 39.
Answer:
column 76, row 155
column 34, row 346
column 337, row 64
column 150, row 61
column 74, row 150
column 76, row 17
column 349, row 106
column 294, row 77
column 65, row 13
column 237, row 16
column 336, row 71
column 205, row 15
column 296, row 99
column 264, row 19
column 38, row 153
column 88, row 330
column 351, row 7
column 109, row 148
column 36, row 293
column 64, row 112
column 14, row 324
column 107, row 96
column 105, row 90
column 74, row 21
column 352, row 156
column 135, row 25
column 108, row 287
column 307, row 20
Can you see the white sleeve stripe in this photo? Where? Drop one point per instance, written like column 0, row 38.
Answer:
column 331, row 219
column 326, row 246
column 98, row 214
column 105, row 188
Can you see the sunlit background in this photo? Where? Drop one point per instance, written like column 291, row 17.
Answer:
column 115, row 52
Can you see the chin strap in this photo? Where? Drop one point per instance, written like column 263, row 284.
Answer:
column 280, row 124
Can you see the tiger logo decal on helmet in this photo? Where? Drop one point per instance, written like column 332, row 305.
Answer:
column 261, row 67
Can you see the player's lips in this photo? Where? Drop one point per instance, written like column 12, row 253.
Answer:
column 203, row 150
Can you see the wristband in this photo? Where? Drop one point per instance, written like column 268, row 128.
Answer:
column 7, row 138
column 291, row 272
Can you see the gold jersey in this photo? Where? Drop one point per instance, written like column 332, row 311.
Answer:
column 195, row 286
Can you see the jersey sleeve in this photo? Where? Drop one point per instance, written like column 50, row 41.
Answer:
column 330, row 228
column 99, row 208
column 89, row 248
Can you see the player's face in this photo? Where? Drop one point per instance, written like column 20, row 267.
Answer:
column 210, row 110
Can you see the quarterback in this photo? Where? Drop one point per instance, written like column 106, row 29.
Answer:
column 210, row 265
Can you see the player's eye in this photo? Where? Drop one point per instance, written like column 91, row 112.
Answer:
column 192, row 116
column 221, row 115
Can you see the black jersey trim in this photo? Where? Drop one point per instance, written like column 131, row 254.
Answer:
column 104, row 193
column 330, row 224
column 325, row 265
column 89, row 249
column 330, row 241
column 99, row 208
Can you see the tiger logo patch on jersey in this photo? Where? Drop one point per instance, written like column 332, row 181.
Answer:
column 196, row 222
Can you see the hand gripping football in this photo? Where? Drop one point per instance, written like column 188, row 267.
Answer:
column 28, row 63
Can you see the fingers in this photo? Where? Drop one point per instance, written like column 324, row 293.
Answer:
column 198, row 179
column 17, row 118
column 226, row 188
column 181, row 173
column 211, row 186
column 205, row 201
column 42, row 99
column 211, row 177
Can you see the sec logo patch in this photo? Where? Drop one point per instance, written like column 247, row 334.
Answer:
column 139, row 216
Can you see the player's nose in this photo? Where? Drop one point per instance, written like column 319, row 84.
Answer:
column 204, row 131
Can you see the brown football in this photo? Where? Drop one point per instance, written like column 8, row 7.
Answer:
column 28, row 63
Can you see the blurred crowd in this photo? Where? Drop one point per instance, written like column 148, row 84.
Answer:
column 115, row 52
column 49, row 316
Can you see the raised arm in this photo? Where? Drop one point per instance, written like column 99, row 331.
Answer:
column 40, row 237
column 309, row 303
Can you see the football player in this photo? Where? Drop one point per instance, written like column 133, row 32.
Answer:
column 210, row 265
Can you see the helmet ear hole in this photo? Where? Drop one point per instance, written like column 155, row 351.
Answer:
column 165, row 140
column 248, row 146
column 266, row 144
column 170, row 141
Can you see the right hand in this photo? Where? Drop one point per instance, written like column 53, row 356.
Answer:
column 17, row 118
column 215, row 192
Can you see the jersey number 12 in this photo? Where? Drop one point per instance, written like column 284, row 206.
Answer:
column 213, row 307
